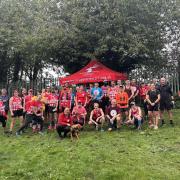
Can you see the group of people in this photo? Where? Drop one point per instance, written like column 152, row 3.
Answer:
column 117, row 103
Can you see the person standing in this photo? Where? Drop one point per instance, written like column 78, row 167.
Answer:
column 65, row 98
column 143, row 89
column 112, row 91
column 135, row 90
column 122, row 101
column 16, row 109
column 23, row 95
column 28, row 108
column 26, row 99
column 52, row 101
column 81, row 96
column 105, row 87
column 5, row 99
column 153, row 98
column 166, row 102
column 96, row 93
column 129, row 90
column 3, row 115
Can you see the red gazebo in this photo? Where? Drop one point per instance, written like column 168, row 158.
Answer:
column 93, row 72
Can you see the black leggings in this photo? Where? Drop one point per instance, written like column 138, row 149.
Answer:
column 29, row 118
column 64, row 129
column 3, row 121
column 38, row 120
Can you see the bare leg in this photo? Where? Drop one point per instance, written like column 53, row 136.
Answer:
column 150, row 115
column 13, row 121
column 119, row 121
column 102, row 122
column 170, row 114
column 156, row 113
column 127, row 115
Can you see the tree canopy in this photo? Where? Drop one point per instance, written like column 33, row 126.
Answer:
column 123, row 34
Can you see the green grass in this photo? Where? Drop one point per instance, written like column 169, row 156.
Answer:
column 127, row 154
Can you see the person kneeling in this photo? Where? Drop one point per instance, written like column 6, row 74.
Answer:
column 135, row 116
column 79, row 114
column 113, row 116
column 64, row 123
column 97, row 117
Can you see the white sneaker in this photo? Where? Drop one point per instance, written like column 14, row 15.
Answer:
column 155, row 127
column 97, row 127
column 151, row 126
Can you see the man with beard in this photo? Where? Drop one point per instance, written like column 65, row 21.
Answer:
column 166, row 101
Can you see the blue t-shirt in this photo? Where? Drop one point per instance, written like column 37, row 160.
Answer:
column 96, row 93
column 5, row 100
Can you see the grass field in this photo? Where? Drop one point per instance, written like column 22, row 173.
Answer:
column 125, row 154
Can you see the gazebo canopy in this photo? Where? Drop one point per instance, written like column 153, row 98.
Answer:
column 93, row 72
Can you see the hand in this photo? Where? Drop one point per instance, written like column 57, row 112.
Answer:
column 12, row 114
column 97, row 119
column 68, row 124
column 152, row 104
column 111, row 120
column 173, row 102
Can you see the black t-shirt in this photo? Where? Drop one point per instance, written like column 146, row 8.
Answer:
column 112, row 111
column 165, row 92
column 153, row 95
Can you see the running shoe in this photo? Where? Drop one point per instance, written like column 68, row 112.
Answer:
column 41, row 133
column 102, row 130
column 151, row 126
column 18, row 133
column 155, row 127
column 171, row 123
column 97, row 128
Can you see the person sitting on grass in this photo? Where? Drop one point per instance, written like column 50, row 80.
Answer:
column 97, row 117
column 135, row 116
column 64, row 123
column 79, row 114
column 113, row 116
column 153, row 98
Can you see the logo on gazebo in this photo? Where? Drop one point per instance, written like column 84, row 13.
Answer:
column 90, row 69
